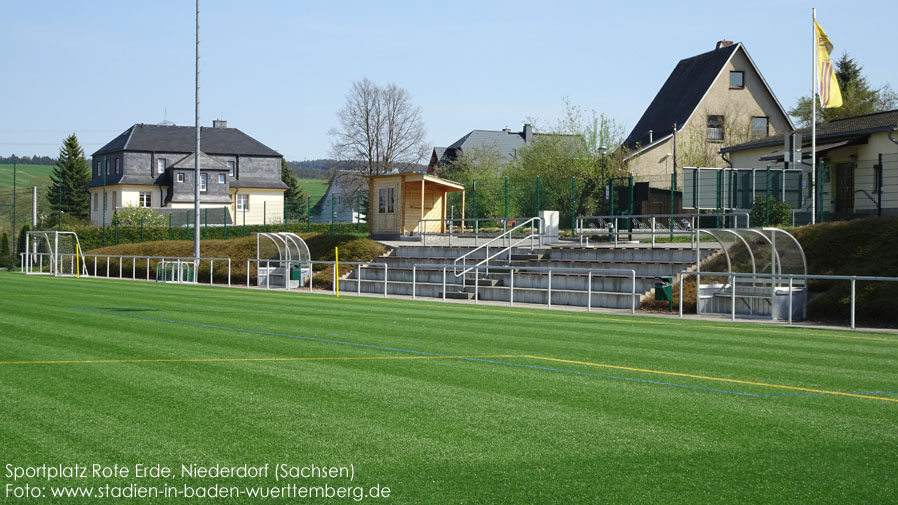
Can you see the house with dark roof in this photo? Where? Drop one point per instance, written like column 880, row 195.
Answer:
column 505, row 143
column 859, row 155
column 152, row 166
column 715, row 99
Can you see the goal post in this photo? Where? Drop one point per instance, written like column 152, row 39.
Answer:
column 56, row 253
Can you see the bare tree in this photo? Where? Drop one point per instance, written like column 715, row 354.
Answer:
column 379, row 129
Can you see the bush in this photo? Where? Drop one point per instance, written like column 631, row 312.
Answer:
column 133, row 215
column 780, row 213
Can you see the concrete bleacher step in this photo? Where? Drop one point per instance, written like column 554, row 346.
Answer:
column 527, row 257
column 459, row 295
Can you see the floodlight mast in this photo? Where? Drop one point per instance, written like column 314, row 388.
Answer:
column 196, row 154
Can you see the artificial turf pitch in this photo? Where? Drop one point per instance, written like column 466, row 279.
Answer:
column 442, row 403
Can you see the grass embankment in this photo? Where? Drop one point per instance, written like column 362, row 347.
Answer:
column 859, row 247
column 321, row 248
column 863, row 247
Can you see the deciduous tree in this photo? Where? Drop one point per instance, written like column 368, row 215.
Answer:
column 379, row 129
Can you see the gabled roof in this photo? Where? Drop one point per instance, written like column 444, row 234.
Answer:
column 834, row 130
column 506, row 142
column 683, row 92
column 181, row 139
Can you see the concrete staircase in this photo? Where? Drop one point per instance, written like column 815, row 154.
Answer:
column 567, row 288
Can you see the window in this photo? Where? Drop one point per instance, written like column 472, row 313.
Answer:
column 114, row 200
column 160, row 165
column 96, row 199
column 715, row 127
column 146, row 199
column 382, row 202
column 390, row 201
column 106, row 166
column 180, row 176
column 221, row 178
column 759, row 127
column 242, row 202
column 231, row 168
column 118, row 165
column 99, row 168
column 203, row 181
column 737, row 80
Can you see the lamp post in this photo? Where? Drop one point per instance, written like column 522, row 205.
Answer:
column 602, row 149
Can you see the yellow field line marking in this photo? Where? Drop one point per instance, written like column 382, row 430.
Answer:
column 719, row 379
column 214, row 360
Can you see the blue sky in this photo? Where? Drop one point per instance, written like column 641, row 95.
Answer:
column 279, row 70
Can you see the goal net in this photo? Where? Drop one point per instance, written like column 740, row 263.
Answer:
column 53, row 253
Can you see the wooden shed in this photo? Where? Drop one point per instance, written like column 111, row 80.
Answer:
column 397, row 203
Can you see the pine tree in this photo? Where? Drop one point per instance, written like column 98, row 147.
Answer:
column 295, row 198
column 20, row 243
column 5, row 256
column 68, row 191
column 858, row 97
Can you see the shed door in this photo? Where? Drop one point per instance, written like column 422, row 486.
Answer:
column 844, row 189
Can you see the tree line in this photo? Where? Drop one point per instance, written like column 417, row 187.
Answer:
column 28, row 160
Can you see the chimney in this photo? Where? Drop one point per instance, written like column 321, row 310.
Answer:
column 651, row 136
column 723, row 43
column 219, row 123
column 528, row 132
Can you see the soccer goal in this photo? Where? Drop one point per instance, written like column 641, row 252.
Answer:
column 55, row 253
column 175, row 271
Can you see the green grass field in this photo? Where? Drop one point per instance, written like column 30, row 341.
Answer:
column 26, row 175
column 442, row 403
column 316, row 188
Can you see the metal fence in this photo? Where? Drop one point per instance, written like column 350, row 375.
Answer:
column 117, row 266
column 738, row 188
column 789, row 278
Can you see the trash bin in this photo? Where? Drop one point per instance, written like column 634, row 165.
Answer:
column 295, row 272
column 664, row 289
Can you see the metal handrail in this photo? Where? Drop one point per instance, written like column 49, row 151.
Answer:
column 608, row 272
column 656, row 225
column 421, row 228
column 774, row 277
column 504, row 236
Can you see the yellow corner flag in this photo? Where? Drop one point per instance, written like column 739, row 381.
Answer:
column 830, row 95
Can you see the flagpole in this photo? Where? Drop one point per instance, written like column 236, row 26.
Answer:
column 813, row 177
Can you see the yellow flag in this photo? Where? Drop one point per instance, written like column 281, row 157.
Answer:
column 830, row 95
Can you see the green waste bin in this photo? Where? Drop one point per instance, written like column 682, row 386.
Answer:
column 664, row 289
column 296, row 272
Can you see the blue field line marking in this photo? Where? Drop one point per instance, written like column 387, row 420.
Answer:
column 827, row 394
column 424, row 353
column 259, row 332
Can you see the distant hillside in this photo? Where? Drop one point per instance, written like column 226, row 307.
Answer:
column 313, row 169
column 322, row 168
column 26, row 175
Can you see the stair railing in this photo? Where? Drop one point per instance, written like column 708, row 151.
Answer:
column 536, row 233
